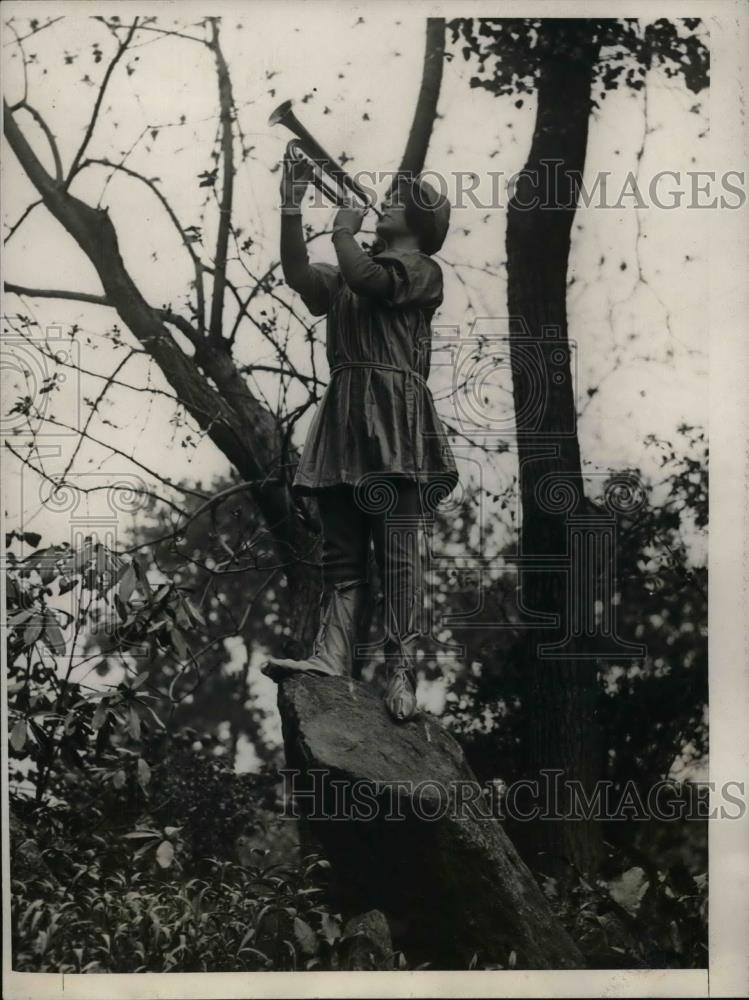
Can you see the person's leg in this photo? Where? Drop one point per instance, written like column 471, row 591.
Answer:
column 345, row 537
column 398, row 541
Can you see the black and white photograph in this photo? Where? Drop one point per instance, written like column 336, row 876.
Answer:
column 374, row 425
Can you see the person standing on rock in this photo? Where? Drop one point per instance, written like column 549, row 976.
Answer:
column 376, row 456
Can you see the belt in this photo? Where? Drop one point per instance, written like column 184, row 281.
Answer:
column 379, row 365
column 412, row 398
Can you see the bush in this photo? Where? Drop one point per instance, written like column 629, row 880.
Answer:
column 144, row 919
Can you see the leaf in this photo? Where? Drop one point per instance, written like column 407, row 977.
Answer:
column 127, row 584
column 19, row 617
column 141, row 835
column 18, row 735
column 247, row 937
column 143, row 578
column 134, row 724
column 195, row 612
column 100, row 714
column 318, row 863
column 181, row 615
column 54, row 637
column 155, row 717
column 629, row 889
column 331, row 928
column 178, row 641
column 67, row 584
column 82, row 556
column 32, row 538
column 33, row 630
column 165, row 854
column 144, row 773
column 162, row 593
column 305, row 936
column 119, row 778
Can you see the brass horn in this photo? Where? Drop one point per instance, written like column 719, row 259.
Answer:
column 306, row 147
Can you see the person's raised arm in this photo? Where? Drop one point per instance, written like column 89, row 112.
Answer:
column 301, row 276
column 361, row 273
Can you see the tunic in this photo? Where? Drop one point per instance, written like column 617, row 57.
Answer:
column 374, row 419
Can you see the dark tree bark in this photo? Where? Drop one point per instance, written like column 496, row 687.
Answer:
column 561, row 695
column 425, row 112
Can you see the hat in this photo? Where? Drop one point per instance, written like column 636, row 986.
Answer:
column 427, row 212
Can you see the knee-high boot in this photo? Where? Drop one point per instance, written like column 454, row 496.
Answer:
column 403, row 598
column 333, row 649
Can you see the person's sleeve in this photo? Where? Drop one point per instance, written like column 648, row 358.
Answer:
column 363, row 275
column 416, row 280
column 320, row 288
column 314, row 283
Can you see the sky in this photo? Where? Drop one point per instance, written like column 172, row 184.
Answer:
column 637, row 304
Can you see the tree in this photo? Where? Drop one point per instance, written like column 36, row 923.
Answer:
column 571, row 64
column 195, row 353
column 425, row 111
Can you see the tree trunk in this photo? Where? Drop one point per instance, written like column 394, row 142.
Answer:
column 425, row 113
column 561, row 695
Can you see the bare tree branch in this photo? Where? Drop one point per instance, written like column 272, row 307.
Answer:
column 98, row 300
column 151, row 185
column 165, row 32
column 226, row 103
column 26, row 212
column 52, row 356
column 92, row 412
column 55, row 293
column 36, row 30
column 99, row 98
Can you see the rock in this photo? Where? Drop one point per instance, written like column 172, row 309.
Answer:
column 367, row 943
column 452, row 887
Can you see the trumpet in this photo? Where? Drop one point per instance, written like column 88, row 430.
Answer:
column 306, row 147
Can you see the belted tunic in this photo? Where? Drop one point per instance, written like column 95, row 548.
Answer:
column 377, row 414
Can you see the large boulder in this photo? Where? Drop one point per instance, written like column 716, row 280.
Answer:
column 452, row 886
